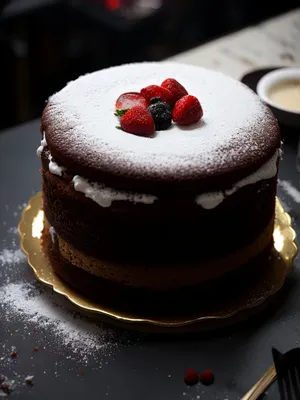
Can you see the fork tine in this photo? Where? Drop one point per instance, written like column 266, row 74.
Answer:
column 295, row 383
column 298, row 372
column 287, row 381
column 278, row 362
column 292, row 364
column 282, row 392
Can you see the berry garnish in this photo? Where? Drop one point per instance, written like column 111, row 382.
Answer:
column 13, row 354
column 157, row 91
column 161, row 113
column 128, row 100
column 155, row 100
column 138, row 121
column 175, row 87
column 191, row 377
column 207, row 377
column 187, row 110
column 5, row 387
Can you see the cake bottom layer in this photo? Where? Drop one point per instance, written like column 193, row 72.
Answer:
column 160, row 293
column 160, row 277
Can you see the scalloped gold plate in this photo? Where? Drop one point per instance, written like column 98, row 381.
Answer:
column 243, row 305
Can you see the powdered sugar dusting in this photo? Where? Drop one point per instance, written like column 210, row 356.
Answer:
column 33, row 313
column 236, row 125
column 32, row 305
column 11, row 256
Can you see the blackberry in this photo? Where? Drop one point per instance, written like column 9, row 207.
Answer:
column 155, row 100
column 161, row 113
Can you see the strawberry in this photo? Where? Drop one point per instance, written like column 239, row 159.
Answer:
column 207, row 377
column 175, row 88
column 157, row 91
column 138, row 121
column 129, row 100
column 191, row 377
column 187, row 110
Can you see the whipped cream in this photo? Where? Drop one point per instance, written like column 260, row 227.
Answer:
column 52, row 233
column 104, row 196
column 54, row 168
column 41, row 147
column 210, row 200
column 266, row 171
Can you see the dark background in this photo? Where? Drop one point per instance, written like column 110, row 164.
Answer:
column 46, row 43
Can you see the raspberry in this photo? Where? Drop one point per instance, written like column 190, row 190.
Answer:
column 191, row 377
column 207, row 377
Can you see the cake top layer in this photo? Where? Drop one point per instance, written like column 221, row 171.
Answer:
column 236, row 135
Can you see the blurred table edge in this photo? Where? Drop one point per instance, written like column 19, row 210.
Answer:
column 274, row 42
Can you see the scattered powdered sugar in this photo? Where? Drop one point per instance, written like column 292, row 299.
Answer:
column 45, row 320
column 33, row 305
column 234, row 127
column 13, row 230
column 24, row 300
column 11, row 256
column 289, row 189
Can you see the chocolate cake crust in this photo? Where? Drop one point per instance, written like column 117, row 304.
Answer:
column 233, row 139
column 190, row 195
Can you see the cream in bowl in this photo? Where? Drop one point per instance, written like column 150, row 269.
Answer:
column 286, row 94
column 280, row 89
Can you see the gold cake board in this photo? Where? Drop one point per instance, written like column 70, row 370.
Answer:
column 241, row 307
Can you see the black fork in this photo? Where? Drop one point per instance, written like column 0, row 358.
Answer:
column 288, row 373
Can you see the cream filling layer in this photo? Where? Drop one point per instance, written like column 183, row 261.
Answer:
column 266, row 171
column 54, row 168
column 104, row 195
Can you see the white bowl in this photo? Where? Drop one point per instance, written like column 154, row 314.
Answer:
column 284, row 115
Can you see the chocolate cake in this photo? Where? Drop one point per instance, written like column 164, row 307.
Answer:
column 179, row 210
